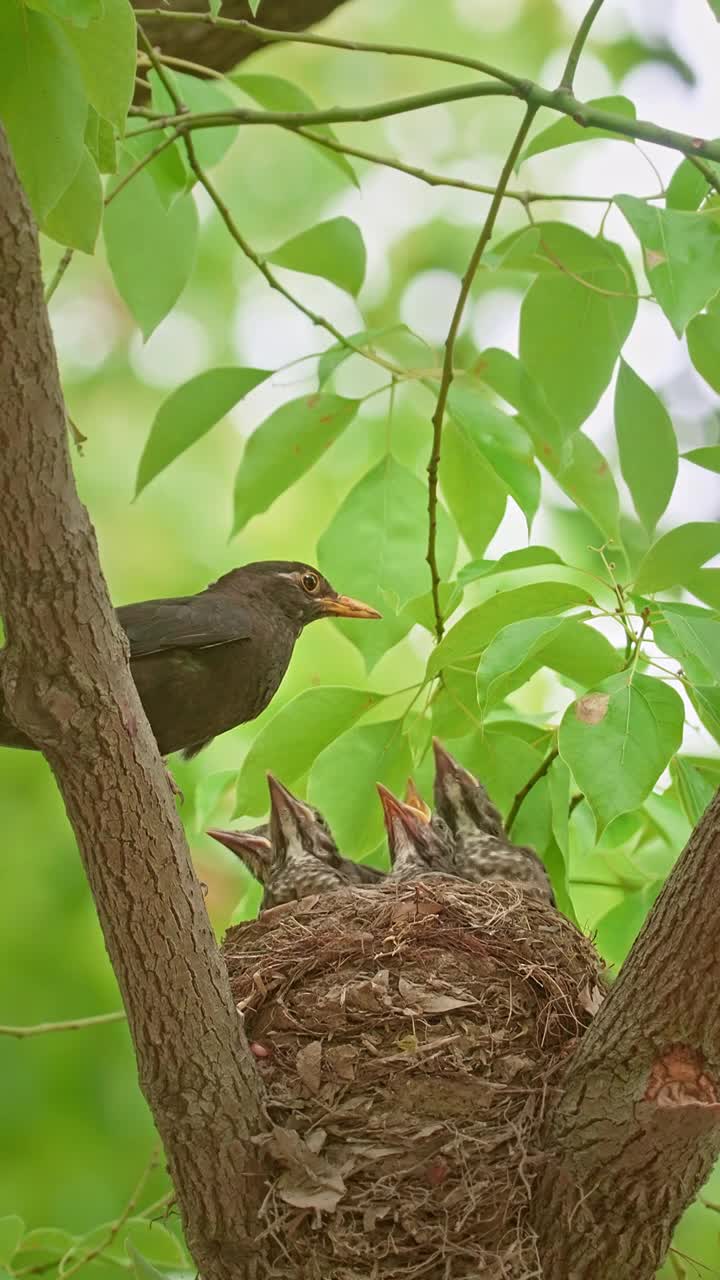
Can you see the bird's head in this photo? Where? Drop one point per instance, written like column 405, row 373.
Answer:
column 415, row 845
column 460, row 800
column 298, row 590
column 298, row 833
column 254, row 850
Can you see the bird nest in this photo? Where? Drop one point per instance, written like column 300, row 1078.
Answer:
column 410, row 1039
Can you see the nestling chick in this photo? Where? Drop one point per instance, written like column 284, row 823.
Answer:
column 417, row 848
column 300, row 856
column 482, row 849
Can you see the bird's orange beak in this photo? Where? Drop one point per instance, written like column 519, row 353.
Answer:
column 415, row 801
column 395, row 811
column 346, row 607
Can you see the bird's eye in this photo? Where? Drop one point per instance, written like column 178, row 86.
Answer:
column 310, row 581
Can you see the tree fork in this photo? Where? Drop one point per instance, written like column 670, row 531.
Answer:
column 636, row 1128
column 67, row 683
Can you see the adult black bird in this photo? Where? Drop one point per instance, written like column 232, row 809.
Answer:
column 298, row 855
column 482, row 848
column 203, row 664
column 417, row 847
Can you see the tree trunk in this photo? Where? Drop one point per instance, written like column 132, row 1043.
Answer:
column 221, row 48
column 67, row 684
column 637, row 1129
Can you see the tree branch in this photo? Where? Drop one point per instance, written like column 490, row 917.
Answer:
column 578, row 44
column 74, row 1024
column 637, row 1121
column 524, row 792
column 438, row 416
column 67, row 685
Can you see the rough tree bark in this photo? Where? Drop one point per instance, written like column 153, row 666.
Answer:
column 637, row 1128
column 67, row 684
column 219, row 47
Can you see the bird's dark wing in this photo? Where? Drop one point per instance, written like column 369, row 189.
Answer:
column 185, row 622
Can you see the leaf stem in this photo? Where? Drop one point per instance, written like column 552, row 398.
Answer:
column 525, row 791
column 578, row 44
column 438, row 416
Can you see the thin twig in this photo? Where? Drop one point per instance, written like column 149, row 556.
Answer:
column 115, row 1226
column 442, row 180
column 239, row 238
column 60, row 270
column 578, row 44
column 438, row 416
column 75, row 1024
column 525, row 791
column 266, row 35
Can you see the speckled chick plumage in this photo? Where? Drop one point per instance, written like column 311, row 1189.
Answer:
column 482, row 849
column 295, row 854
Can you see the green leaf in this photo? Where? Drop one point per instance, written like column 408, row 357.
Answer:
column 143, row 1269
column 385, row 511
column 708, row 456
column 478, row 626
column 421, row 611
column 75, row 219
column 567, row 131
column 367, row 754
column 618, row 739
column 284, row 447
column 80, row 12
column 501, row 440
column 644, row 431
column 581, row 654
column 618, row 929
column 682, row 256
column 703, row 339
column 216, row 5
column 511, row 380
column 254, row 5
column 168, row 170
column 526, row 557
column 151, row 250
column 12, row 1229
column 687, row 188
column 208, row 793
column 575, row 462
column 676, row 554
column 189, row 413
column 693, row 787
column 574, row 321
column 199, row 96
column 464, row 473
column 100, row 142
column 293, row 739
column 333, row 250
column 43, row 105
column 706, row 701
column 275, row 94
column 46, row 1240
column 150, row 1239
column 509, row 650
column 106, row 51
column 705, row 584
column 697, row 634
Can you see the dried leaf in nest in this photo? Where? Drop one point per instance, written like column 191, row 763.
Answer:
column 415, row 1033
